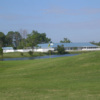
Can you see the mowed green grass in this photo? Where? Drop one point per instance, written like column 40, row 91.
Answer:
column 18, row 54
column 65, row 78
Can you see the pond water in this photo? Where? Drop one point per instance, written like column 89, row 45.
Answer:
column 39, row 57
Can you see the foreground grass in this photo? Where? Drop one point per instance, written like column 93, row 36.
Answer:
column 65, row 78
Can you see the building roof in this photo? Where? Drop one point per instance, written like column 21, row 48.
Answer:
column 75, row 44
column 54, row 45
column 46, row 45
column 7, row 48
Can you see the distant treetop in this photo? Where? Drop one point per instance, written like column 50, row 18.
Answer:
column 65, row 40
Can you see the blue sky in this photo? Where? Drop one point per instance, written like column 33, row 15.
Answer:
column 78, row 20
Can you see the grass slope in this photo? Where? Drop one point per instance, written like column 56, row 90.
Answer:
column 18, row 54
column 65, row 78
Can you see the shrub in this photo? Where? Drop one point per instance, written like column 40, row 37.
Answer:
column 61, row 49
column 21, row 54
column 40, row 54
column 30, row 53
column 1, row 52
column 50, row 52
column 20, row 47
column 75, row 48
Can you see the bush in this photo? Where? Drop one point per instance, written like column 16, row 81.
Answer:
column 61, row 49
column 1, row 51
column 14, row 48
column 21, row 54
column 50, row 52
column 20, row 47
column 75, row 48
column 40, row 54
column 30, row 53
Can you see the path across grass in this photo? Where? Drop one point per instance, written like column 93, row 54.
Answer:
column 65, row 78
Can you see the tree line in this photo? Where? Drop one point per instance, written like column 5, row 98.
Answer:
column 22, row 39
column 95, row 43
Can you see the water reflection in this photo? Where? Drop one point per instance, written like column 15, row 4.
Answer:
column 39, row 57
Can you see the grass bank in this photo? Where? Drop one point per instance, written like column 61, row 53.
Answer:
column 19, row 54
column 80, row 52
column 65, row 78
column 35, row 54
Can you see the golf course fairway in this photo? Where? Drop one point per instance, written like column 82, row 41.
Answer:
column 63, row 78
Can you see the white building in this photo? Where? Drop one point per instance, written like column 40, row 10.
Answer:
column 69, row 46
column 7, row 49
column 53, row 47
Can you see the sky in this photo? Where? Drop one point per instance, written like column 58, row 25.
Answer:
column 77, row 20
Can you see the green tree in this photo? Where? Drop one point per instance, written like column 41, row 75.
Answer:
column 95, row 43
column 13, row 38
column 35, row 38
column 1, row 52
column 17, row 39
column 23, row 42
column 30, row 53
column 61, row 49
column 43, row 38
column 2, row 39
column 9, row 38
column 66, row 40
